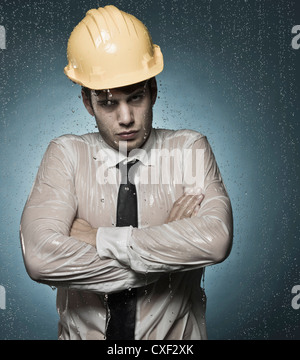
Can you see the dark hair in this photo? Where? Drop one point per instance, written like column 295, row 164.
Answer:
column 87, row 92
column 125, row 89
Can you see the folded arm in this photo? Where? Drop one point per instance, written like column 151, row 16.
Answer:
column 183, row 244
column 50, row 254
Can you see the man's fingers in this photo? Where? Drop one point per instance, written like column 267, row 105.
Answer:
column 178, row 206
column 82, row 230
column 197, row 208
column 79, row 225
column 186, row 206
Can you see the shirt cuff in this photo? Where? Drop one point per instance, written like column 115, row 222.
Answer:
column 112, row 242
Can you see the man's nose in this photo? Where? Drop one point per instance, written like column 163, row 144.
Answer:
column 125, row 115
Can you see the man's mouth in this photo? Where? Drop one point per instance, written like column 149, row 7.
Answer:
column 128, row 135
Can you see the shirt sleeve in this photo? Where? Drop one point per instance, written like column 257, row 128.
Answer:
column 50, row 255
column 181, row 245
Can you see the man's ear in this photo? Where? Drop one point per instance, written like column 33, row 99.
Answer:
column 87, row 103
column 153, row 89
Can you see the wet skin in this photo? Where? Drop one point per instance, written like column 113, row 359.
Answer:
column 124, row 115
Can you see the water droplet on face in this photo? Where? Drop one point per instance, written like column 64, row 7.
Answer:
column 108, row 93
column 102, row 200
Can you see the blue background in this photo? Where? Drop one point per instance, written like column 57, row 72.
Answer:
column 230, row 73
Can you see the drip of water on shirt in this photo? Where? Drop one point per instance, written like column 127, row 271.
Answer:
column 146, row 284
column 170, row 285
column 107, row 312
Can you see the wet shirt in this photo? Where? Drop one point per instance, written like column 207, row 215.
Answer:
column 78, row 178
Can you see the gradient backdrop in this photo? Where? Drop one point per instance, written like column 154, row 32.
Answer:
column 230, row 73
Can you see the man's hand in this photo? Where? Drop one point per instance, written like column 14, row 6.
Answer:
column 82, row 230
column 186, row 206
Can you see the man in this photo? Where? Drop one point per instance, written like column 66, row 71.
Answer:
column 125, row 268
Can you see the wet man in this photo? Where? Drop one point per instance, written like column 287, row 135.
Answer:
column 123, row 221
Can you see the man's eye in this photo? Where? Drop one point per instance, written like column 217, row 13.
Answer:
column 137, row 97
column 106, row 103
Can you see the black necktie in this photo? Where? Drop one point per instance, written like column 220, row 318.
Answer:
column 122, row 305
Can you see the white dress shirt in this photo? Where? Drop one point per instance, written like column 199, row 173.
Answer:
column 78, row 178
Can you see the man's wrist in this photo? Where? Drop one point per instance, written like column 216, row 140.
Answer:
column 111, row 242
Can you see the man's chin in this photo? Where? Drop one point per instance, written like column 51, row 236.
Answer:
column 129, row 145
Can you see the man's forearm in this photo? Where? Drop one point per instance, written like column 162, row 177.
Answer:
column 185, row 244
column 186, row 206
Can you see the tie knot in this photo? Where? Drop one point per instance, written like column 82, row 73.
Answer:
column 127, row 172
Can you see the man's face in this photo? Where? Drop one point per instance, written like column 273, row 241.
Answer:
column 124, row 114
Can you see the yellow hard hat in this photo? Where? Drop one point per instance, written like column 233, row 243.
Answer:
column 110, row 48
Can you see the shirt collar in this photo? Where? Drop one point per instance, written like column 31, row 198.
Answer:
column 112, row 157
